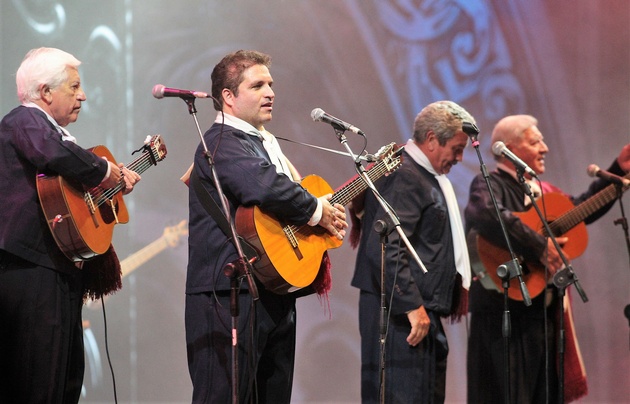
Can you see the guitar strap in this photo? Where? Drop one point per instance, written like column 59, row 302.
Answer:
column 213, row 209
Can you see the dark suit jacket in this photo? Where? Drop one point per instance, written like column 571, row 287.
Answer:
column 29, row 143
column 417, row 198
column 480, row 217
column 247, row 178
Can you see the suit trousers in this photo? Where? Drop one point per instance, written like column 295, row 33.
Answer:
column 410, row 374
column 265, row 337
column 41, row 334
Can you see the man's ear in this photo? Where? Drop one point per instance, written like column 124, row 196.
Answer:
column 228, row 97
column 432, row 140
column 45, row 93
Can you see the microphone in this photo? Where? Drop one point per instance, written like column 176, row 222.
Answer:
column 499, row 148
column 319, row 115
column 159, row 91
column 594, row 171
column 470, row 129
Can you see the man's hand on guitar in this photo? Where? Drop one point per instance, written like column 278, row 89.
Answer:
column 552, row 257
column 120, row 174
column 130, row 178
column 333, row 217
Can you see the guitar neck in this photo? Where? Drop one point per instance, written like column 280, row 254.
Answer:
column 135, row 260
column 570, row 219
column 358, row 185
column 139, row 165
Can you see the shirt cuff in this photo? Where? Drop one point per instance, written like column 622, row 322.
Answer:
column 317, row 216
column 109, row 171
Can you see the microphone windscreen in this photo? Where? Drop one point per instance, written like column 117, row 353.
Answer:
column 158, row 91
column 592, row 170
column 317, row 114
column 497, row 148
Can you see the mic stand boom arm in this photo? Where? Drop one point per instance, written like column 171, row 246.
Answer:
column 384, row 227
column 388, row 210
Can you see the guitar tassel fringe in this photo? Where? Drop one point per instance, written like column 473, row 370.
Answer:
column 323, row 282
column 102, row 275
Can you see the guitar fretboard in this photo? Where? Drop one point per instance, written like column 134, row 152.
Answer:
column 573, row 217
column 351, row 190
column 139, row 165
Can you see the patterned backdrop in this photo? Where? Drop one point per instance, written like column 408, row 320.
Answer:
column 374, row 63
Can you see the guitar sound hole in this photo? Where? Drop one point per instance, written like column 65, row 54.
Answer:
column 107, row 214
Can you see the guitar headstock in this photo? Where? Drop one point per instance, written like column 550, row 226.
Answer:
column 173, row 233
column 390, row 156
column 157, row 148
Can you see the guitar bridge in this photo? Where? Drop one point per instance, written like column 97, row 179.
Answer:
column 87, row 197
column 290, row 233
column 89, row 201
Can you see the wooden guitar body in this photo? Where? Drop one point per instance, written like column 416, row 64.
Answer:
column 78, row 231
column 564, row 219
column 290, row 261
column 290, row 256
column 82, row 220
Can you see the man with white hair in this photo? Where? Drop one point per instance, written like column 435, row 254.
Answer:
column 41, row 290
column 533, row 339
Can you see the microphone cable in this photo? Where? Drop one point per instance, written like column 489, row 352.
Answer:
column 109, row 359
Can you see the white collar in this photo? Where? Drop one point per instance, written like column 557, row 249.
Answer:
column 236, row 123
column 65, row 135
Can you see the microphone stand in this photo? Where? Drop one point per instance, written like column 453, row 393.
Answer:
column 561, row 279
column 622, row 221
column 383, row 228
column 624, row 225
column 388, row 210
column 234, row 270
column 506, row 271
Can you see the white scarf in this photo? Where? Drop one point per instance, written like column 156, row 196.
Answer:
column 269, row 141
column 462, row 261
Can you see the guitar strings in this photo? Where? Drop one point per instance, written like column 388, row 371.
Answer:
column 350, row 191
column 566, row 222
column 101, row 195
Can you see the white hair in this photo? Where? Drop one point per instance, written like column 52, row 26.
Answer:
column 512, row 128
column 42, row 66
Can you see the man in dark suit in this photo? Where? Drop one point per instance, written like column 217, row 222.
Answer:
column 534, row 330
column 252, row 171
column 423, row 198
column 41, row 291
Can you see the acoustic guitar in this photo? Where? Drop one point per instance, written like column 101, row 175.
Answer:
column 565, row 220
column 82, row 220
column 290, row 256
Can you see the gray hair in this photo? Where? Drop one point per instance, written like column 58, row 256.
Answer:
column 444, row 118
column 512, row 128
column 42, row 66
